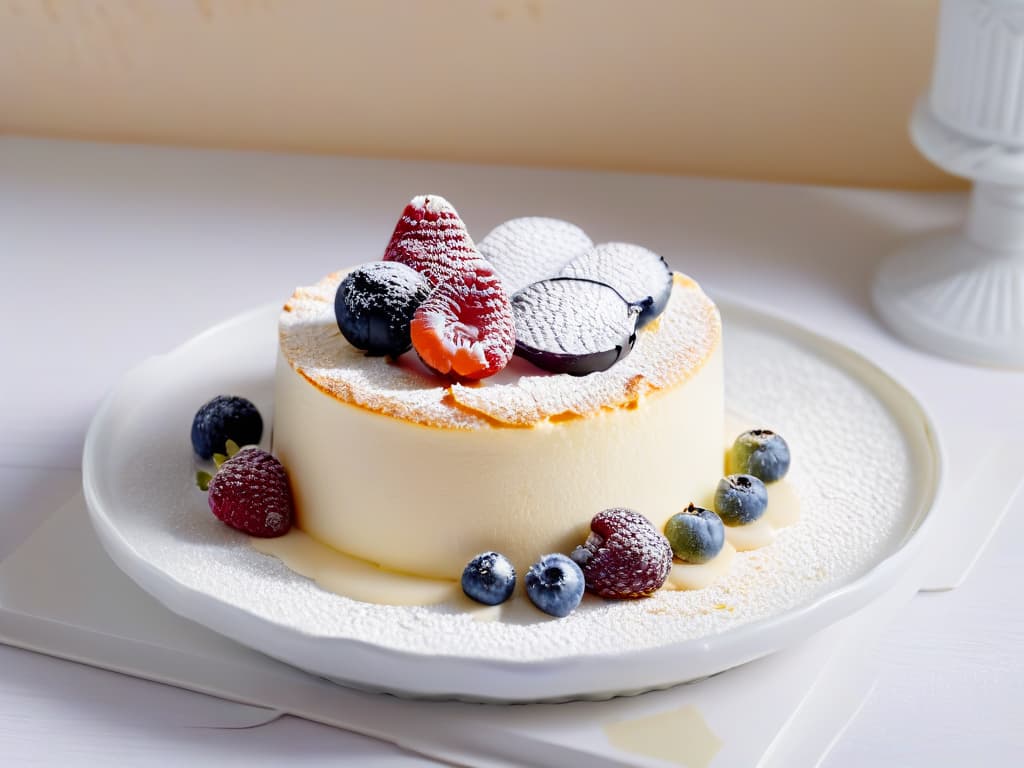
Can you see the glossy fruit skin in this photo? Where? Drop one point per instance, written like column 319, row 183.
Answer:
column 489, row 578
column 250, row 492
column 696, row 535
column 225, row 417
column 374, row 305
column 761, row 453
column 639, row 275
column 555, row 585
column 625, row 556
column 740, row 499
column 550, row 312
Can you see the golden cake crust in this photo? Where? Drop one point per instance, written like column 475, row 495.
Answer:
column 667, row 353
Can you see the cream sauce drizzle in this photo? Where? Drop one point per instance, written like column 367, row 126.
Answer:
column 361, row 580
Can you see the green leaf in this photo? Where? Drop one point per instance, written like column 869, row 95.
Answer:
column 219, row 459
column 203, row 480
column 232, row 448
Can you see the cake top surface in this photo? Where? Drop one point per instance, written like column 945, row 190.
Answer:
column 667, row 352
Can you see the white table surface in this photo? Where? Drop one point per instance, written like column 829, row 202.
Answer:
column 111, row 254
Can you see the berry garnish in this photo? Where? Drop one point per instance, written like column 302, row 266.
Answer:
column 634, row 272
column 555, row 585
column 740, row 499
column 431, row 238
column 524, row 251
column 250, row 492
column 761, row 453
column 225, row 417
column 565, row 325
column 374, row 306
column 696, row 535
column 489, row 578
column 464, row 330
column 624, row 555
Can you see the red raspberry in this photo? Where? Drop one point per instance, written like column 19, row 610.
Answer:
column 465, row 328
column 431, row 238
column 624, row 556
column 250, row 492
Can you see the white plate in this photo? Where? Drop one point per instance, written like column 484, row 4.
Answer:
column 866, row 466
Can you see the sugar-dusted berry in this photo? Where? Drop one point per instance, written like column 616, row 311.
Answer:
column 250, row 492
column 374, row 305
column 431, row 238
column 555, row 585
column 464, row 330
column 225, row 417
column 624, row 556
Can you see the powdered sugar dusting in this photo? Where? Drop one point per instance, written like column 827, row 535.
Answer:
column 432, row 239
column 432, row 203
column 860, row 476
column 667, row 353
column 533, row 248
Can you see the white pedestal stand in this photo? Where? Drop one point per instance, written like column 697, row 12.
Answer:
column 961, row 294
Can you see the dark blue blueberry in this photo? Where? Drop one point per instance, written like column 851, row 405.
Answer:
column 761, row 453
column 555, row 584
column 375, row 303
column 696, row 534
column 224, row 418
column 740, row 499
column 489, row 578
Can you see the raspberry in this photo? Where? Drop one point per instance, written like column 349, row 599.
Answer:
column 250, row 492
column 431, row 238
column 624, row 556
column 465, row 328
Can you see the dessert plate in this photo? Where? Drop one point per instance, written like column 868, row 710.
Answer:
column 866, row 467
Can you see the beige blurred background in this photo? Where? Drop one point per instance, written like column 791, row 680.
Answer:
column 793, row 90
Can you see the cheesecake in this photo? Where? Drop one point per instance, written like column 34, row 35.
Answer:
column 416, row 473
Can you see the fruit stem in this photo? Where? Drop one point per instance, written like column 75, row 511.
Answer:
column 203, row 480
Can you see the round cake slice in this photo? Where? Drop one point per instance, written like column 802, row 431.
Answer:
column 394, row 465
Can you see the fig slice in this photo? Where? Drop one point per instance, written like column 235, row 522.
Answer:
column 574, row 326
column 632, row 270
column 533, row 248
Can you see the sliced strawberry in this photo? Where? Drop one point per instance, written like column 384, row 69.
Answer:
column 431, row 238
column 465, row 329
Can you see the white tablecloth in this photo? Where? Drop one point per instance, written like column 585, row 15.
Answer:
column 110, row 254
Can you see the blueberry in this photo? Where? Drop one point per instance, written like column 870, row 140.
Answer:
column 489, row 578
column 761, row 453
column 740, row 499
column 555, row 585
column 375, row 303
column 224, row 418
column 696, row 534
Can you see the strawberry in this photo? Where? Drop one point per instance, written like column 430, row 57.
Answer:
column 431, row 238
column 465, row 328
column 624, row 556
column 250, row 492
